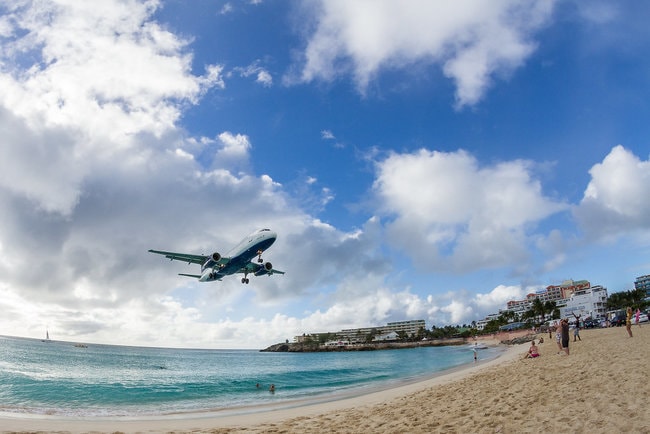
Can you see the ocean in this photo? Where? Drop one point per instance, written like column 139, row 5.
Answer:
column 58, row 378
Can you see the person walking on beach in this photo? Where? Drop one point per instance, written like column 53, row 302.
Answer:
column 558, row 336
column 564, row 327
column 475, row 352
column 628, row 320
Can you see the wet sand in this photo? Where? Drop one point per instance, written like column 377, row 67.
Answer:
column 601, row 387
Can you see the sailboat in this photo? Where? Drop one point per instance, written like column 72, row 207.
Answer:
column 47, row 337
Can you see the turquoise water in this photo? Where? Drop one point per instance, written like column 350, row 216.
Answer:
column 58, row 378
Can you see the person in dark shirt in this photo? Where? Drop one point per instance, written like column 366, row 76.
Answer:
column 564, row 331
column 576, row 331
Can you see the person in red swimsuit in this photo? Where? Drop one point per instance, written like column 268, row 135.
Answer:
column 533, row 351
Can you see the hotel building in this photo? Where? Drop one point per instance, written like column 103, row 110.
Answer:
column 411, row 328
column 643, row 282
column 572, row 296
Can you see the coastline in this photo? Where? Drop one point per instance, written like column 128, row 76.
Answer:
column 598, row 388
column 232, row 418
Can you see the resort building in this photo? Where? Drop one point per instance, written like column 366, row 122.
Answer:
column 480, row 325
column 411, row 328
column 578, row 297
column 564, row 290
column 360, row 335
column 386, row 337
column 560, row 294
column 588, row 302
column 643, row 282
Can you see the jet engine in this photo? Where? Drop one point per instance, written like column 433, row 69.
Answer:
column 206, row 276
column 212, row 261
column 265, row 269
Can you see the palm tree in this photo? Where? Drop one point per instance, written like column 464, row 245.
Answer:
column 550, row 307
column 538, row 308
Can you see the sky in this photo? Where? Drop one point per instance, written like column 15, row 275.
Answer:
column 418, row 160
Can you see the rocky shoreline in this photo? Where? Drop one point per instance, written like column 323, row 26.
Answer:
column 515, row 338
column 302, row 347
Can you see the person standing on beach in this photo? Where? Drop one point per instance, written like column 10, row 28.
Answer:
column 628, row 320
column 576, row 330
column 475, row 352
column 558, row 336
column 637, row 315
column 564, row 327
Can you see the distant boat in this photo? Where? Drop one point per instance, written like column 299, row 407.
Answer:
column 47, row 337
column 81, row 345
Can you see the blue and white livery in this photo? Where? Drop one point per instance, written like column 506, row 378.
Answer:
column 237, row 260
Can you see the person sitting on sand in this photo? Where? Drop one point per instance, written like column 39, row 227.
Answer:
column 541, row 340
column 533, row 351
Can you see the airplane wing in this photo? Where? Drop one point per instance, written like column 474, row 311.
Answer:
column 185, row 257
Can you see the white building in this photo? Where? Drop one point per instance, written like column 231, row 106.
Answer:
column 588, row 302
column 411, row 328
column 480, row 325
column 360, row 335
column 386, row 337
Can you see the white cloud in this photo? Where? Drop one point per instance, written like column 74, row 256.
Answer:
column 159, row 319
column 448, row 213
column 498, row 297
column 598, row 12
column 262, row 75
column 471, row 40
column 234, row 145
column 327, row 135
column 226, row 9
column 88, row 82
column 94, row 171
column 615, row 201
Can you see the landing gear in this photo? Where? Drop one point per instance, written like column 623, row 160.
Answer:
column 245, row 280
column 259, row 256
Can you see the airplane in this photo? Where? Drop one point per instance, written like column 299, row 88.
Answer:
column 237, row 260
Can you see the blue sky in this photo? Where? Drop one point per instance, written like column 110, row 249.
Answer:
column 417, row 159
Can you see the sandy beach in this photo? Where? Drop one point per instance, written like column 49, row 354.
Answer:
column 601, row 387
